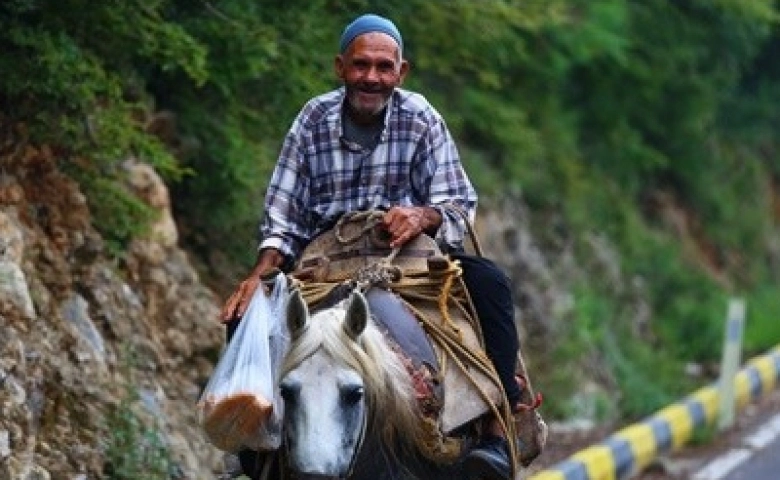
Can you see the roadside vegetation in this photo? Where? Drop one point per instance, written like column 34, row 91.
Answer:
column 132, row 449
column 649, row 122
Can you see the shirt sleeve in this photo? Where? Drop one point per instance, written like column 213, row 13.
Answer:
column 284, row 225
column 444, row 184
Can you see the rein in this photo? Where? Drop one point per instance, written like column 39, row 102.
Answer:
column 359, row 445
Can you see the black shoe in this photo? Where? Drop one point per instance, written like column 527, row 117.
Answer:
column 489, row 460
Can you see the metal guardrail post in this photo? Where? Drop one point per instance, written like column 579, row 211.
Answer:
column 732, row 355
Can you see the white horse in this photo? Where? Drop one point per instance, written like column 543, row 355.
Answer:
column 350, row 408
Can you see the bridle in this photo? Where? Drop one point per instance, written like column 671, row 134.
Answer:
column 352, row 462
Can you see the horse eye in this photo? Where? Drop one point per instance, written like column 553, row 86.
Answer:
column 289, row 393
column 351, row 394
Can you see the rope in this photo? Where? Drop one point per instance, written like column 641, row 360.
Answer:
column 370, row 219
column 381, row 272
column 458, row 210
column 436, row 287
column 313, row 292
column 440, row 288
column 506, row 419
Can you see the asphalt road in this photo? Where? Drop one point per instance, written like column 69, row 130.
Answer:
column 762, row 465
column 748, row 451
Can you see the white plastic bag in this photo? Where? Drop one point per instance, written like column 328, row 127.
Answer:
column 270, row 435
column 240, row 406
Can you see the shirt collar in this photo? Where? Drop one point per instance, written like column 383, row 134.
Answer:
column 334, row 117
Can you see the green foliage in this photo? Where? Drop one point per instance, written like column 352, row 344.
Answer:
column 119, row 214
column 71, row 73
column 265, row 59
column 646, row 382
column 132, row 449
column 762, row 324
column 688, row 305
column 605, row 330
column 705, row 434
column 593, row 110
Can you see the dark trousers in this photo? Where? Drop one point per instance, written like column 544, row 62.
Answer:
column 491, row 293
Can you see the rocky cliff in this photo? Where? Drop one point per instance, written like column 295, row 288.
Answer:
column 98, row 356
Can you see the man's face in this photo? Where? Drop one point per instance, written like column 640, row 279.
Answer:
column 371, row 68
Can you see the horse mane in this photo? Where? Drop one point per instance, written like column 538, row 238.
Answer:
column 393, row 411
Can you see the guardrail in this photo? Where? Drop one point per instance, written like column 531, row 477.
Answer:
column 633, row 448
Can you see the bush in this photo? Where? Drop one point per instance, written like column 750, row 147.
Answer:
column 132, row 449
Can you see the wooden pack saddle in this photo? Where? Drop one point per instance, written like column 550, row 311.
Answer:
column 417, row 294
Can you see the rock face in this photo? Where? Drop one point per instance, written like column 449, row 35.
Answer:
column 85, row 339
column 538, row 253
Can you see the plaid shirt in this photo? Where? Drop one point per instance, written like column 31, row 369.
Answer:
column 320, row 175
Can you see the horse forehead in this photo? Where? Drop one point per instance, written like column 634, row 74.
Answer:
column 329, row 317
column 321, row 365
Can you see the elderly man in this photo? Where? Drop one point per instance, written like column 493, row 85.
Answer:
column 372, row 145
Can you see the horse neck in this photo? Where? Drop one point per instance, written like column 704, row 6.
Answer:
column 377, row 461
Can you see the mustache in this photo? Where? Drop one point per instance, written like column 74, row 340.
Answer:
column 370, row 88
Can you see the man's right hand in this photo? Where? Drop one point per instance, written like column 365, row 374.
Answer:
column 238, row 301
column 405, row 223
column 268, row 262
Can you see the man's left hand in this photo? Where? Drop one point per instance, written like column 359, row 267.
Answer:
column 405, row 223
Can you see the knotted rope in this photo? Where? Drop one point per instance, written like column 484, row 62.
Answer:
column 439, row 286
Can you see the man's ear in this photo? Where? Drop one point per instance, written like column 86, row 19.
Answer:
column 404, row 70
column 338, row 66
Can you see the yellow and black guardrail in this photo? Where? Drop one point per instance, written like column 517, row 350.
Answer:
column 633, row 448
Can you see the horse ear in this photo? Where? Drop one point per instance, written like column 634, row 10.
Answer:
column 357, row 315
column 297, row 312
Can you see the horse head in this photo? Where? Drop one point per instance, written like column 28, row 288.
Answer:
column 340, row 383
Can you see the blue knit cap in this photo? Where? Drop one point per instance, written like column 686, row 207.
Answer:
column 369, row 23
